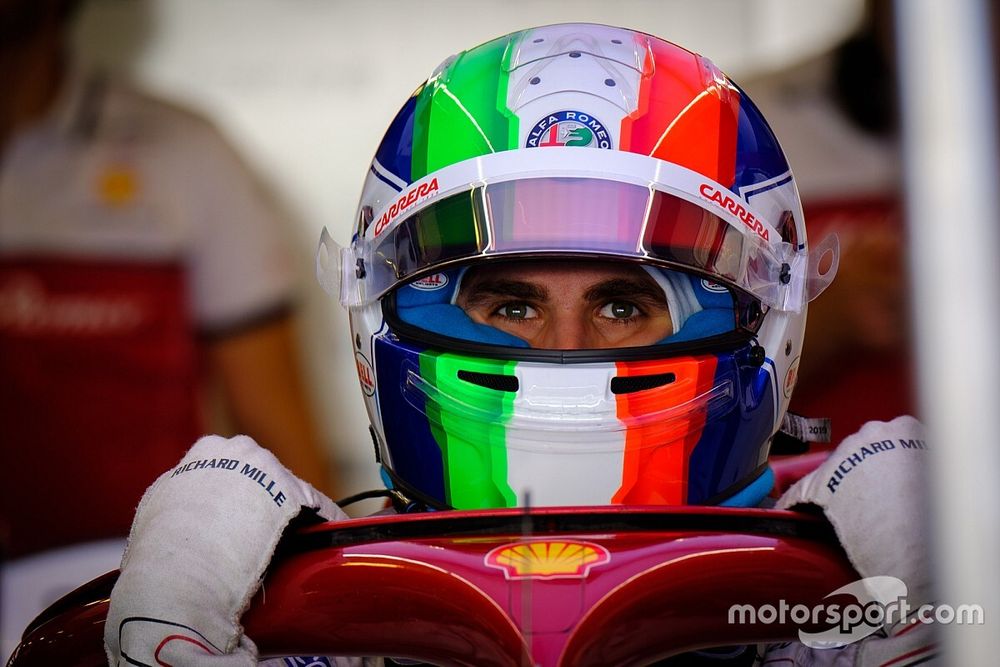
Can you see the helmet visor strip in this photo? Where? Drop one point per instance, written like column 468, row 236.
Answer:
column 635, row 207
column 582, row 216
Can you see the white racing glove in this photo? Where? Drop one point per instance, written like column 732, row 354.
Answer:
column 202, row 537
column 872, row 490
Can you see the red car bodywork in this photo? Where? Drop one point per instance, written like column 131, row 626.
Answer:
column 548, row 587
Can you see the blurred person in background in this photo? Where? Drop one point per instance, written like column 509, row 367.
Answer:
column 139, row 262
column 836, row 118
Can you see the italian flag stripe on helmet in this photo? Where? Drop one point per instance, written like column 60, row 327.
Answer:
column 472, row 104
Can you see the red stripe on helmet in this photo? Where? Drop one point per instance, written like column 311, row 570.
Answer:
column 657, row 452
column 686, row 106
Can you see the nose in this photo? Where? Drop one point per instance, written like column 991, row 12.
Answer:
column 566, row 331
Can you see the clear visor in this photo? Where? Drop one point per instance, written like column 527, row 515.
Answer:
column 584, row 216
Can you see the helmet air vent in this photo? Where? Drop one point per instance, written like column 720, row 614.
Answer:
column 490, row 380
column 631, row 384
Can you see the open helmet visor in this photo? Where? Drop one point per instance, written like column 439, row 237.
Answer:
column 638, row 208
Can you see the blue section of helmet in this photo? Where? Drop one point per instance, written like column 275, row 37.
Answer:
column 759, row 158
column 414, row 295
column 711, row 295
column 753, row 493
column 450, row 320
column 705, row 323
column 432, row 310
column 716, row 316
column 414, row 453
column 730, row 445
column 395, row 153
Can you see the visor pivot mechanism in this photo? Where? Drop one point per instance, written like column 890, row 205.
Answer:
column 786, row 273
column 757, row 354
column 359, row 271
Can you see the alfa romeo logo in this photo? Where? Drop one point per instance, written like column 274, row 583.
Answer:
column 569, row 128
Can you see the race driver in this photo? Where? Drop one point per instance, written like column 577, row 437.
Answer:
column 579, row 270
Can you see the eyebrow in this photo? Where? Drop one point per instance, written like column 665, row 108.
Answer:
column 483, row 290
column 633, row 289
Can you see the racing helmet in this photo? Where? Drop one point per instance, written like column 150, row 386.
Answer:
column 584, row 143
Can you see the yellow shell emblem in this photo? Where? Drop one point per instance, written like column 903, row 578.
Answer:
column 548, row 559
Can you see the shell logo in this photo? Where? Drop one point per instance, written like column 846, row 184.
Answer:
column 549, row 559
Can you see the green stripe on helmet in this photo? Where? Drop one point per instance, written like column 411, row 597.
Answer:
column 473, row 451
column 462, row 113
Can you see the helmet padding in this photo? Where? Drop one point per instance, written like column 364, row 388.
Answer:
column 697, row 309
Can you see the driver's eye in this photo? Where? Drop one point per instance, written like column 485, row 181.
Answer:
column 618, row 310
column 516, row 311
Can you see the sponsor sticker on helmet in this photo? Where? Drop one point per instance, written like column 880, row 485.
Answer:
column 569, row 128
column 548, row 559
column 791, row 377
column 366, row 374
column 735, row 206
column 712, row 286
column 431, row 283
column 405, row 202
